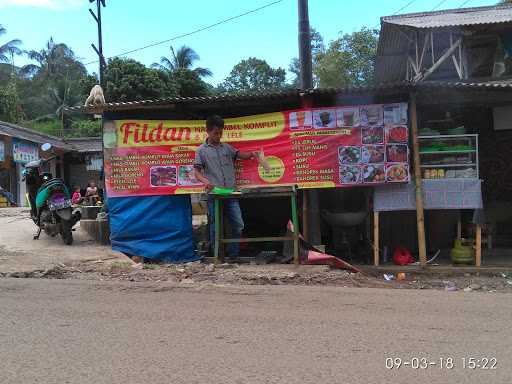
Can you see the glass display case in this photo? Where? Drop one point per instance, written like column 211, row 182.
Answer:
column 449, row 156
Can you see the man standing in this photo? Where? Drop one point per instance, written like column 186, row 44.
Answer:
column 214, row 166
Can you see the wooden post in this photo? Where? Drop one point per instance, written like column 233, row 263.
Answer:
column 478, row 250
column 218, row 227
column 305, row 224
column 376, row 245
column 459, row 227
column 295, row 221
column 420, row 218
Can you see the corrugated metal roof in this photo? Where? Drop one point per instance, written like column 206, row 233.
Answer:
column 28, row 134
column 82, row 144
column 86, row 144
column 344, row 91
column 453, row 17
column 234, row 97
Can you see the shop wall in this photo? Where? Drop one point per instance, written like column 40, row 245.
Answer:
column 79, row 175
column 7, row 167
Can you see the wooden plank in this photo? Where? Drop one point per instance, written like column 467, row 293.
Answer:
column 420, row 214
column 376, row 238
column 478, row 250
column 438, row 63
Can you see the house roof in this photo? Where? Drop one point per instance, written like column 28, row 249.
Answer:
column 224, row 98
column 378, row 88
column 83, row 144
column 453, row 17
column 86, row 144
column 395, row 39
column 32, row 135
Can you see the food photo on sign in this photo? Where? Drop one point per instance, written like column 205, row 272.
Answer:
column 324, row 118
column 301, row 120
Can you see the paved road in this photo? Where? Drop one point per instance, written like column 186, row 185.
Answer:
column 72, row 331
column 20, row 253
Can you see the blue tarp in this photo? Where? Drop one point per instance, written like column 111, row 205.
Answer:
column 156, row 227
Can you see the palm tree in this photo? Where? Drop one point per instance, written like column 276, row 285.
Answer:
column 52, row 59
column 10, row 48
column 183, row 58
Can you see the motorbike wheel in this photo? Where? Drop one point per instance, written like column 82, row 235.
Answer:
column 66, row 233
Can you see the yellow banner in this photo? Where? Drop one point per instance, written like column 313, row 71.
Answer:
column 147, row 133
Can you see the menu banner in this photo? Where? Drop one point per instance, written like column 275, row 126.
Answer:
column 312, row 148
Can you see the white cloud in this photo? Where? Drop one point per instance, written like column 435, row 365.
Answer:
column 50, row 4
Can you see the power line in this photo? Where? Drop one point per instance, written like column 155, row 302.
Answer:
column 405, row 6
column 464, row 3
column 193, row 32
column 438, row 5
column 398, row 11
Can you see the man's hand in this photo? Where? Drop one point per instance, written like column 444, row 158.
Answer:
column 208, row 187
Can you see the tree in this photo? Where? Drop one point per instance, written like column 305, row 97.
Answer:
column 317, row 48
column 53, row 82
column 10, row 109
column 180, row 70
column 128, row 80
column 349, row 60
column 182, row 59
column 9, row 49
column 253, row 75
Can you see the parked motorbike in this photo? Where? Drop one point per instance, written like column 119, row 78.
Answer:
column 50, row 200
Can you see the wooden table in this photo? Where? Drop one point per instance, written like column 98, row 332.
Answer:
column 252, row 193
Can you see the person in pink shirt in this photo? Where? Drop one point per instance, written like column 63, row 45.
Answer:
column 77, row 197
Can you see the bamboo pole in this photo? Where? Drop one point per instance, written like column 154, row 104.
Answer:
column 376, row 238
column 420, row 215
column 478, row 250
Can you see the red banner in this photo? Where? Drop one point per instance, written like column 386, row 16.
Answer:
column 313, row 148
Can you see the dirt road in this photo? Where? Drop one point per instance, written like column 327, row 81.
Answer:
column 20, row 253
column 82, row 331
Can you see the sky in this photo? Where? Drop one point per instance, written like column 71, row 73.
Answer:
column 269, row 34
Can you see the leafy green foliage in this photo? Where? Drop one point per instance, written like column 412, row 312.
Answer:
column 128, row 80
column 180, row 69
column 183, row 58
column 349, row 60
column 48, row 126
column 84, row 128
column 10, row 109
column 254, row 75
column 9, row 49
column 317, row 48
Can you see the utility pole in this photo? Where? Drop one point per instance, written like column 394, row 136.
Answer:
column 311, row 212
column 99, row 51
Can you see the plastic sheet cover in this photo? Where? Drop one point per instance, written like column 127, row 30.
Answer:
column 155, row 227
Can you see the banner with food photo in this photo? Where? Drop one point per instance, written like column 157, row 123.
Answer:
column 312, row 148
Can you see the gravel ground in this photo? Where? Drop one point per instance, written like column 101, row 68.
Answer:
column 272, row 274
column 89, row 331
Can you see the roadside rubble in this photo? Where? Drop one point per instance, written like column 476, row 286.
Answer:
column 194, row 273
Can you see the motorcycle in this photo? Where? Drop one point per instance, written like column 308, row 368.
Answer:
column 50, row 200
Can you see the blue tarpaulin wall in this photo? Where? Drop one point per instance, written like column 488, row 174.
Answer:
column 156, row 227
